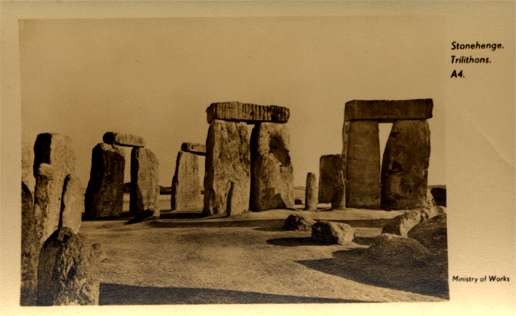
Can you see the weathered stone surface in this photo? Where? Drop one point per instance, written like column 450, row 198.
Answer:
column 388, row 110
column 362, row 149
column 144, row 182
column 397, row 251
column 64, row 271
column 28, row 166
column 298, row 222
column 123, row 139
column 72, row 203
column 432, row 233
column 187, row 185
column 105, row 191
column 29, row 249
column 332, row 181
column 405, row 165
column 311, row 192
column 402, row 224
column 272, row 173
column 198, row 149
column 53, row 161
column 332, row 233
column 227, row 169
column 247, row 112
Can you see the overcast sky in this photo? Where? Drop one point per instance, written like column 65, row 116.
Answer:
column 156, row 77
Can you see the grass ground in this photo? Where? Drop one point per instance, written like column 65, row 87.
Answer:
column 183, row 259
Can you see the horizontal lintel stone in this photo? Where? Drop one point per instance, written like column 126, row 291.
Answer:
column 247, row 112
column 388, row 110
column 123, row 139
column 194, row 148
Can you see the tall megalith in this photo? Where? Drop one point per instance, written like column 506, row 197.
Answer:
column 405, row 165
column 144, row 182
column 332, row 181
column 272, row 177
column 311, row 192
column 105, row 191
column 187, row 185
column 227, row 168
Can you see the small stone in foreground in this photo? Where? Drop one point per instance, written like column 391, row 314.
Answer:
column 432, row 234
column 402, row 224
column 298, row 222
column 397, row 250
column 332, row 233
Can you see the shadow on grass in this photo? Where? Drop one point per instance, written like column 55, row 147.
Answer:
column 429, row 279
column 120, row 294
column 293, row 242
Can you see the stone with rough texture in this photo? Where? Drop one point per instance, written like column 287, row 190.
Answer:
column 405, row 165
column 198, row 149
column 65, row 271
column 388, row 110
column 272, row 173
column 144, row 182
column 311, row 192
column 362, row 152
column 298, row 222
column 397, row 250
column 402, row 224
column 72, row 203
column 28, row 166
column 227, row 169
column 29, row 249
column 187, row 183
column 247, row 112
column 332, row 233
column 332, row 181
column 432, row 233
column 53, row 161
column 105, row 191
column 123, row 139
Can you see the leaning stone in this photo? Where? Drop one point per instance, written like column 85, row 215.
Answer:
column 272, row 173
column 405, row 165
column 198, row 149
column 105, row 191
column 72, row 203
column 432, row 234
column 332, row 181
column 388, row 110
column 247, row 112
column 298, row 222
column 144, row 182
column 187, row 183
column 122, row 139
column 332, row 233
column 227, row 169
column 65, row 271
column 311, row 192
column 397, row 251
column 402, row 224
column 362, row 151
column 53, row 161
column 29, row 249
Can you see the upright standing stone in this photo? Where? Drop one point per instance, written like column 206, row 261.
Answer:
column 332, row 181
column 311, row 192
column 144, row 182
column 65, row 271
column 29, row 249
column 405, row 165
column 272, row 174
column 72, row 203
column 362, row 149
column 28, row 166
column 187, row 183
column 53, row 161
column 227, row 169
column 105, row 192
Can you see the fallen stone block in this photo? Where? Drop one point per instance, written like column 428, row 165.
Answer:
column 402, row 224
column 272, row 173
column 332, row 181
column 388, row 110
column 187, row 185
column 332, row 233
column 198, row 149
column 247, row 112
column 105, row 191
column 432, row 234
column 298, row 222
column 397, row 251
column 227, row 169
column 123, row 139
